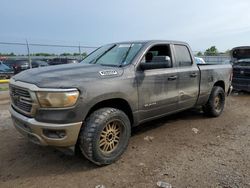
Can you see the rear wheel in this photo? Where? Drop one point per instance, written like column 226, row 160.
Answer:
column 105, row 136
column 215, row 103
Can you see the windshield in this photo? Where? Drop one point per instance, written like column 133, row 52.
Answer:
column 113, row 54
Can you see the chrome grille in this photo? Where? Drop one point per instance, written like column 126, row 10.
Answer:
column 21, row 99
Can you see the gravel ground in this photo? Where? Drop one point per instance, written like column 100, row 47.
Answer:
column 185, row 150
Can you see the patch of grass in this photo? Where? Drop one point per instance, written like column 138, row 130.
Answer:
column 4, row 88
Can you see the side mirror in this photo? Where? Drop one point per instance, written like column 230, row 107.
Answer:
column 158, row 62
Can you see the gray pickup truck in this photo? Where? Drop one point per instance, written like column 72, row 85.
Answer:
column 93, row 105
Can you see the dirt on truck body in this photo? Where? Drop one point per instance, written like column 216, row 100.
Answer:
column 93, row 105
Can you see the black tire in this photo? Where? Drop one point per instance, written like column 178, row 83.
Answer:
column 91, row 135
column 215, row 103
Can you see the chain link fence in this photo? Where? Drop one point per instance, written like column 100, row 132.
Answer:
column 30, row 51
column 47, row 52
column 220, row 59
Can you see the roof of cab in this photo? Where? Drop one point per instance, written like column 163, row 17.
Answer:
column 153, row 41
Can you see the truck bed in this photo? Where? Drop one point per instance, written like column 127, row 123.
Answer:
column 211, row 73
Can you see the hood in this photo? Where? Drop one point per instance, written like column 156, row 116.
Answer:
column 68, row 75
column 242, row 52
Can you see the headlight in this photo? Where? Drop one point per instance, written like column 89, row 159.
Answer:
column 57, row 99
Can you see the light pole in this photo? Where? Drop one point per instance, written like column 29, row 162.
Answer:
column 28, row 49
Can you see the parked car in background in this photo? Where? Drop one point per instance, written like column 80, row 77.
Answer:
column 241, row 68
column 60, row 61
column 39, row 63
column 10, row 62
column 2, row 58
column 199, row 60
column 19, row 65
column 5, row 71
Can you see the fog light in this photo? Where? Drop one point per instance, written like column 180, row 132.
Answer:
column 54, row 133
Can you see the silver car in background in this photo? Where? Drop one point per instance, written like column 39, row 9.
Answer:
column 199, row 60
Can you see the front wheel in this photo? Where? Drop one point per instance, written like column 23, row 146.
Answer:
column 105, row 135
column 215, row 103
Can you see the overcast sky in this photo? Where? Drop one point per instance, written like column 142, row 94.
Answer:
column 224, row 23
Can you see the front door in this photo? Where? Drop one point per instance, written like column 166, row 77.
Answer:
column 157, row 88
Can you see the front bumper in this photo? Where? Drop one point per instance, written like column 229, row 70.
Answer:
column 46, row 133
column 241, row 87
column 241, row 84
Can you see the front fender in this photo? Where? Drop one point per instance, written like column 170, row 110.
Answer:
column 110, row 96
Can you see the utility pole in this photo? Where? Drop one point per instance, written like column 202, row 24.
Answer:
column 80, row 54
column 28, row 49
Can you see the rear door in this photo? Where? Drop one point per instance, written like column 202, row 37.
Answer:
column 188, row 77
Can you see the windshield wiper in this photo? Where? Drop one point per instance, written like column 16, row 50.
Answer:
column 126, row 55
column 110, row 65
column 95, row 61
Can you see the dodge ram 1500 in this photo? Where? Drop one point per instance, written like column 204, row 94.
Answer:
column 94, row 104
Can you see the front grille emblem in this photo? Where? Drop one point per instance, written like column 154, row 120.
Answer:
column 15, row 97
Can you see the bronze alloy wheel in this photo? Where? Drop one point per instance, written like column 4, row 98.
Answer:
column 105, row 135
column 110, row 136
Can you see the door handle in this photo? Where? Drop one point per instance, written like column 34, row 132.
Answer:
column 193, row 75
column 172, row 78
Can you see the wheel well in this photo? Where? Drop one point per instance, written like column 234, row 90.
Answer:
column 220, row 84
column 120, row 104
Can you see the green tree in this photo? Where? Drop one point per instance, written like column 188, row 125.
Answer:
column 84, row 54
column 227, row 52
column 7, row 54
column 212, row 51
column 65, row 54
column 43, row 54
column 199, row 54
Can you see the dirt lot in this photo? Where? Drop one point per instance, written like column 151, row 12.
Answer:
column 218, row 155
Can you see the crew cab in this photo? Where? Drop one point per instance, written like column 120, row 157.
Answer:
column 93, row 105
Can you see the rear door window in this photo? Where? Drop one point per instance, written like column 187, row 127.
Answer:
column 182, row 56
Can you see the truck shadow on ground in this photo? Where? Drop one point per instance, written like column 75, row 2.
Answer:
column 192, row 114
